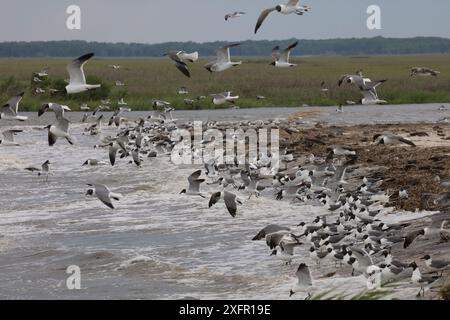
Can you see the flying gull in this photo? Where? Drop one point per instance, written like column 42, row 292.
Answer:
column 77, row 82
column 293, row 6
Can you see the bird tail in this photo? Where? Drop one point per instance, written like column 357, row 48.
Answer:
column 115, row 196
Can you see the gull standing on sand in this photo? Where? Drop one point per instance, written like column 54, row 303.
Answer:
column 282, row 57
column 389, row 138
column 293, row 6
column 103, row 193
column 11, row 108
column 77, row 82
column 223, row 61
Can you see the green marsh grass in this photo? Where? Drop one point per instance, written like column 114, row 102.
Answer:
column 148, row 79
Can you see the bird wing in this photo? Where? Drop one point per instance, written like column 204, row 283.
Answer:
column 263, row 17
column 410, row 237
column 102, row 192
column 183, row 68
column 223, row 54
column 174, row 56
column 112, row 154
column 363, row 257
column 6, row 109
column 63, row 124
column 75, row 69
column 276, row 53
column 9, row 134
column 14, row 102
column 194, row 181
column 215, row 197
column 408, row 142
column 304, row 275
column 293, row 3
column 287, row 52
column 194, row 176
column 230, row 202
column 368, row 95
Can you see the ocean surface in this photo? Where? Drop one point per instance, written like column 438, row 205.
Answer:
column 157, row 243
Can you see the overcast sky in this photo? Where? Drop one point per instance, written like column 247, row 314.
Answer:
column 155, row 21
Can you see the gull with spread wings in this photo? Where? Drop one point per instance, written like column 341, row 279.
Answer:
column 282, row 57
column 293, row 6
column 223, row 61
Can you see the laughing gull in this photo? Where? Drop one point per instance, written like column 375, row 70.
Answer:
column 103, row 193
column 8, row 137
column 180, row 64
column 118, row 144
column 93, row 162
column 229, row 198
column 317, row 255
column 341, row 150
column 436, row 265
column 9, row 110
column 285, row 251
column 236, row 14
column 370, row 97
column 59, row 130
column 340, row 109
column 293, row 6
column 77, row 82
column 85, row 107
column 56, row 108
column 221, row 98
column 42, row 74
column 410, row 237
column 420, row 71
column 367, row 87
column 194, row 185
column 223, row 61
column 115, row 66
column 271, row 228
column 304, row 280
column 418, row 278
column 389, row 138
column 122, row 102
column 44, row 169
column 282, row 57
column 183, row 90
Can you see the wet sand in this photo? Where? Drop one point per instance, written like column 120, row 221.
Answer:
column 419, row 169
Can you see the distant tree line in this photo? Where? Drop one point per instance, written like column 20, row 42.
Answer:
column 345, row 47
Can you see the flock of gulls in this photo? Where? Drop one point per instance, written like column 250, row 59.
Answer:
column 352, row 235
